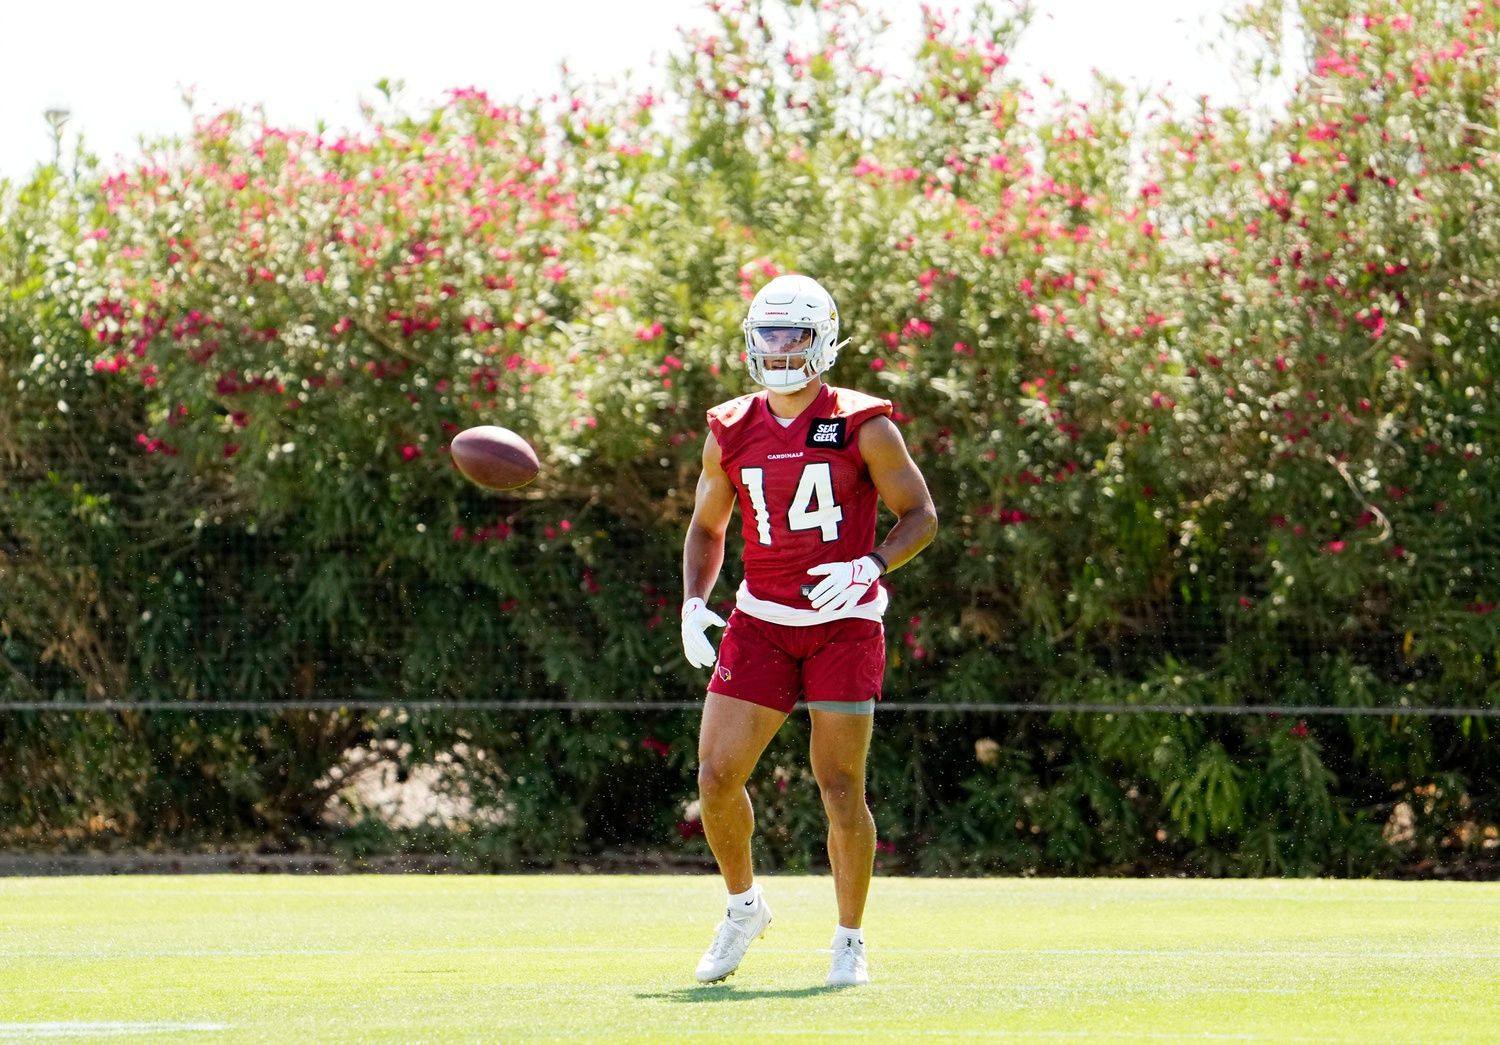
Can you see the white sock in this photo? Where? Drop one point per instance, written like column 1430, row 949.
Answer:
column 844, row 935
column 742, row 905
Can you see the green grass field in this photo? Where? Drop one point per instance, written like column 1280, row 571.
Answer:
column 222, row 958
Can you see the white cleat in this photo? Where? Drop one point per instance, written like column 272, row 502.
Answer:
column 849, row 968
column 731, row 942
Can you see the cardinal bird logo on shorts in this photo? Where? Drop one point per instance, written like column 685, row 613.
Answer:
column 723, row 673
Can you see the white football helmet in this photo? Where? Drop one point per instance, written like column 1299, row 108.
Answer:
column 791, row 333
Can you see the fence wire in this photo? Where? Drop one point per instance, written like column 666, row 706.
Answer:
column 889, row 706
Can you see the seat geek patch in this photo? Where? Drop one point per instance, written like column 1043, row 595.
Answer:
column 827, row 431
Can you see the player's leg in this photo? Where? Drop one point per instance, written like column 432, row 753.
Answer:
column 753, row 689
column 840, row 747
column 733, row 735
column 842, row 677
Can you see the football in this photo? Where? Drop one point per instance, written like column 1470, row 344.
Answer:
column 494, row 457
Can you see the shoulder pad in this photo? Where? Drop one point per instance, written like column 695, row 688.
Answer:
column 727, row 415
column 857, row 406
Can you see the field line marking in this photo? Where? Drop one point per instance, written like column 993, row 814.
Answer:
column 1111, row 1035
column 101, row 1028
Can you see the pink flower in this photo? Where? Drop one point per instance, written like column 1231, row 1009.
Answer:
column 1334, row 547
column 410, row 453
column 1373, row 321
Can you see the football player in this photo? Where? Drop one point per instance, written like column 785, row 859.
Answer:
column 805, row 461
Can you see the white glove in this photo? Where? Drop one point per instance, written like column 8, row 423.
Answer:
column 844, row 583
column 696, row 617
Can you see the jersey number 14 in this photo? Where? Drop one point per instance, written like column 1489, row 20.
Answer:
column 812, row 507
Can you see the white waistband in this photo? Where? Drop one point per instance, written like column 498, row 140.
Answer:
column 776, row 613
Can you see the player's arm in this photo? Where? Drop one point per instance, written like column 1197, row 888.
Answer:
column 902, row 488
column 703, row 555
column 904, row 492
column 703, row 550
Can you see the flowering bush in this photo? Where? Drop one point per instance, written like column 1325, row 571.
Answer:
column 1205, row 399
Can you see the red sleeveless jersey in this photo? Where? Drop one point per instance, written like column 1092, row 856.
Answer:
column 805, row 495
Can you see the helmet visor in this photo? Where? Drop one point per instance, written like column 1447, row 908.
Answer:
column 781, row 348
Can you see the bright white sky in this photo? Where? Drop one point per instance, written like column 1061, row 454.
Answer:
column 122, row 69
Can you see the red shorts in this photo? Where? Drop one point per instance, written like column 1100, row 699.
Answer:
column 774, row 664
